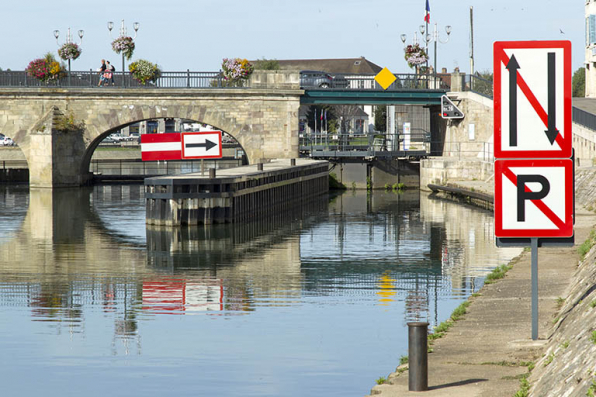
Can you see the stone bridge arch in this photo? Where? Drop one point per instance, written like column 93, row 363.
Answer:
column 264, row 121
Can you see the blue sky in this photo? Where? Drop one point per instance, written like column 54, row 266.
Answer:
column 196, row 35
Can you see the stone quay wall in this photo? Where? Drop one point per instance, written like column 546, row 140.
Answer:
column 568, row 367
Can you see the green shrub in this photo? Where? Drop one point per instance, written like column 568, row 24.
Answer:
column 524, row 389
column 460, row 311
column 583, row 249
column 497, row 273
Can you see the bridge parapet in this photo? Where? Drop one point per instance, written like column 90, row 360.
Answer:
column 271, row 79
column 264, row 121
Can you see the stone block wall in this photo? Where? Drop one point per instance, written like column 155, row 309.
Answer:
column 473, row 135
column 264, row 121
column 441, row 171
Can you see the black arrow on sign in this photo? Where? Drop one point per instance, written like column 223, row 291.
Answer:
column 552, row 131
column 207, row 145
column 512, row 66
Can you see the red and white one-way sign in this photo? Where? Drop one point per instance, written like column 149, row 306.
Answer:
column 539, row 197
column 532, row 99
column 179, row 146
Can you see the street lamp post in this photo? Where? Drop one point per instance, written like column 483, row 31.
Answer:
column 404, row 37
column 437, row 39
column 123, row 33
column 69, row 40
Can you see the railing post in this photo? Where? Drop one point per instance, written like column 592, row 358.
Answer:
column 187, row 78
column 417, row 356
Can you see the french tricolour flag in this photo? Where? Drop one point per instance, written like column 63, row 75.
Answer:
column 427, row 15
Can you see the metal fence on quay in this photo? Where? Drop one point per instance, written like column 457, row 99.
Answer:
column 418, row 145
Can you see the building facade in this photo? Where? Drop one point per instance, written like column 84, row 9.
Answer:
column 590, row 57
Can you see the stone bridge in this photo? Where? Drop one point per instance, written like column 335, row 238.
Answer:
column 58, row 129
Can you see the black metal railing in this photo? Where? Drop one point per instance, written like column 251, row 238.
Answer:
column 403, row 81
column 189, row 79
column 91, row 78
column 363, row 144
column 478, row 84
column 584, row 118
column 417, row 144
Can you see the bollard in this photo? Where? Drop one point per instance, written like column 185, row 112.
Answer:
column 417, row 356
column 211, row 172
column 292, row 162
column 259, row 166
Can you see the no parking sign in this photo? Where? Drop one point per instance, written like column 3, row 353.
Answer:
column 538, row 202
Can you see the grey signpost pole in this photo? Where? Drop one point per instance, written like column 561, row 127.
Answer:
column 534, row 245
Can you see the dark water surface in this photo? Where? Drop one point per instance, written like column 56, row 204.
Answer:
column 93, row 303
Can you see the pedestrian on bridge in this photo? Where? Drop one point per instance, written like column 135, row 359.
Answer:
column 109, row 74
column 101, row 71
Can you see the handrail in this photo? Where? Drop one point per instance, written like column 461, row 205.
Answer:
column 190, row 79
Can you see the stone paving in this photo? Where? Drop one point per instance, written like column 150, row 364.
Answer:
column 486, row 352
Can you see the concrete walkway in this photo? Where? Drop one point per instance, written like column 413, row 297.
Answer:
column 484, row 354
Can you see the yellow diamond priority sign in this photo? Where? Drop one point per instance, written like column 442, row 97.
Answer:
column 385, row 78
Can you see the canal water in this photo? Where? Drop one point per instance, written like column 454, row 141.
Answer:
column 315, row 302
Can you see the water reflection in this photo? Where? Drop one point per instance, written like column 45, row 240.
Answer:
column 81, row 272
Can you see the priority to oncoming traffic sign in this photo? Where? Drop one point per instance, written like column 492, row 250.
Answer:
column 532, row 99
column 539, row 197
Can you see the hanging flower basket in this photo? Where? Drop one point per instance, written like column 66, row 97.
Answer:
column 125, row 45
column 144, row 71
column 236, row 71
column 45, row 69
column 69, row 51
column 415, row 55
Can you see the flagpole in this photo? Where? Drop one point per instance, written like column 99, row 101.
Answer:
column 315, row 126
column 427, row 20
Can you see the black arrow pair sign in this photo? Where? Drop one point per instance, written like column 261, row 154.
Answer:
column 207, row 145
column 551, row 131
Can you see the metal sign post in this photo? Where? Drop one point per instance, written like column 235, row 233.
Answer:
column 534, row 270
column 534, row 175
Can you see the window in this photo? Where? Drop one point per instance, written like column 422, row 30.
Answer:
column 590, row 30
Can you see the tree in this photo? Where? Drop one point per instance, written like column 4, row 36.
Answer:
column 267, row 64
column 483, row 83
column 578, row 83
column 380, row 113
column 345, row 114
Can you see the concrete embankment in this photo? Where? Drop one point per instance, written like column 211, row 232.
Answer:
column 490, row 350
